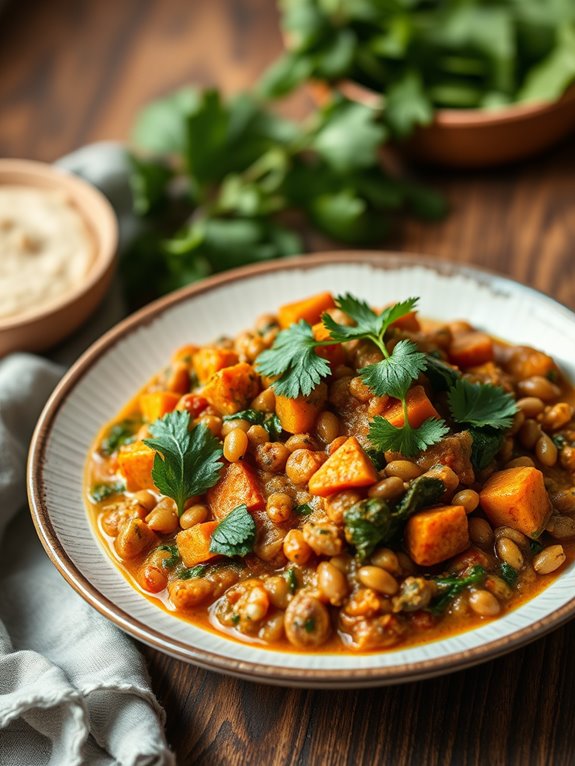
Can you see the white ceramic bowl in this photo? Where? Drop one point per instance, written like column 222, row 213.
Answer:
column 120, row 363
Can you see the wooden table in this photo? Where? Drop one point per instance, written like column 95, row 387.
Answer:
column 73, row 71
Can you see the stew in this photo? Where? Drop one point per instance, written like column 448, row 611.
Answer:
column 342, row 478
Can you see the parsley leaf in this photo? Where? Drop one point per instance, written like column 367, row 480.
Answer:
column 481, row 404
column 409, row 441
column 235, row 535
column 294, row 358
column 393, row 376
column 187, row 462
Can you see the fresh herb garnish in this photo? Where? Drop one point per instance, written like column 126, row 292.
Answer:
column 101, row 491
column 481, row 404
column 274, row 427
column 450, row 587
column 294, row 359
column 303, row 510
column 187, row 462
column 270, row 422
column 119, row 434
column 235, row 535
column 309, row 625
column 508, row 573
column 373, row 522
column 535, row 546
column 405, row 439
column 291, row 578
column 173, row 558
column 486, row 444
column 559, row 441
column 189, row 574
column 255, row 417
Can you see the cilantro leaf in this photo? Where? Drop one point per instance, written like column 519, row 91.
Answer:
column 368, row 323
column 235, row 535
column 173, row 558
column 409, row 441
column 294, row 358
column 186, row 462
column 304, row 509
column 394, row 375
column 481, row 404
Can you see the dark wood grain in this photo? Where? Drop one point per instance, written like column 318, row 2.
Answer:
column 72, row 72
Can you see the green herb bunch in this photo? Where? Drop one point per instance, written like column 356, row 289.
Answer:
column 427, row 54
column 298, row 368
column 220, row 184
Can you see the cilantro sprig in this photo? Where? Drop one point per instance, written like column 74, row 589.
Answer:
column 187, row 462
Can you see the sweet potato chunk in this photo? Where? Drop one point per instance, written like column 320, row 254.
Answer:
column 348, row 467
column 437, row 534
column 526, row 362
column 208, row 361
column 237, row 485
column 194, row 543
column 157, row 404
column 136, row 462
column 232, row 388
column 309, row 309
column 335, row 354
column 517, row 498
column 299, row 415
column 419, row 408
column 471, row 349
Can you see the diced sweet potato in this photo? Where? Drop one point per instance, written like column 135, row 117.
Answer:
column 419, row 408
column 453, row 451
column 157, row 404
column 517, row 498
column 436, row 535
column 185, row 353
column 299, row 415
column 348, row 467
column 335, row 354
column 526, row 362
column 237, row 485
column 194, row 543
column 208, row 361
column 136, row 462
column 309, row 309
column 471, row 349
column 232, row 388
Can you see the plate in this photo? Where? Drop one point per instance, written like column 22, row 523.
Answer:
column 115, row 367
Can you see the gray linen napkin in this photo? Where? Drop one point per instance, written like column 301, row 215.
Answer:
column 73, row 689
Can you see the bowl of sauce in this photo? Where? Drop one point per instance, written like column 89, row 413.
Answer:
column 58, row 244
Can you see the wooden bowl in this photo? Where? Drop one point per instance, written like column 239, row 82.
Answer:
column 39, row 329
column 478, row 138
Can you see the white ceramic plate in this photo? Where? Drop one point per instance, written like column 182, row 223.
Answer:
column 112, row 370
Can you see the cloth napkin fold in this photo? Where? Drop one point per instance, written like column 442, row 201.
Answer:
column 73, row 688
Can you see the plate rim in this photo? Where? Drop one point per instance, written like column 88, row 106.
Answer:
column 259, row 670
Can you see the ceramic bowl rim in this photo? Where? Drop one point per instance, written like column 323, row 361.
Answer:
column 260, row 671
